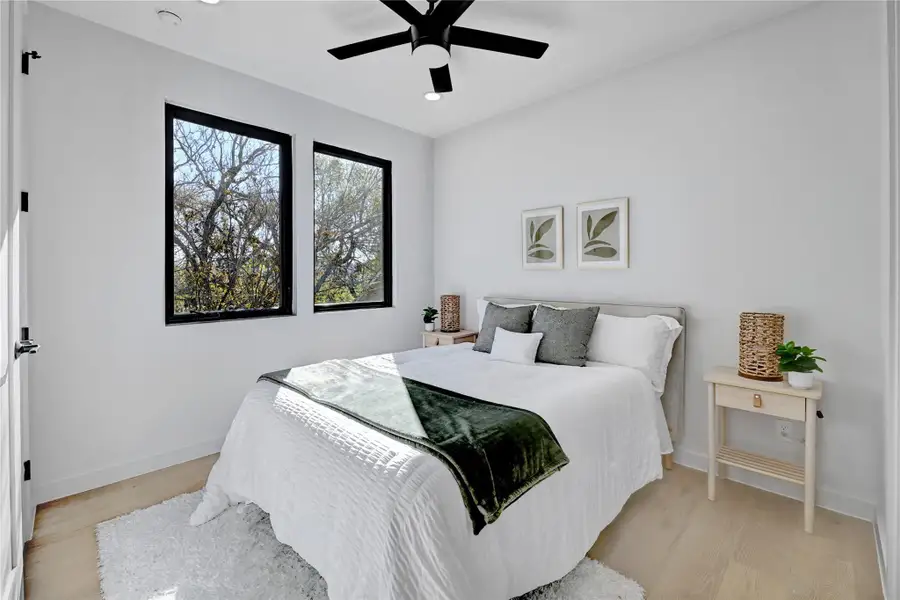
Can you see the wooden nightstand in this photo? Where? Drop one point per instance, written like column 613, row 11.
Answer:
column 441, row 338
column 727, row 389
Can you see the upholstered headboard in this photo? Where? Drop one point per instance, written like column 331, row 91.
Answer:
column 673, row 398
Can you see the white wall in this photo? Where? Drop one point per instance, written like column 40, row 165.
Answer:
column 754, row 167
column 114, row 392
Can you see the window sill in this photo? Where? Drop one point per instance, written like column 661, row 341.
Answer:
column 191, row 319
column 327, row 308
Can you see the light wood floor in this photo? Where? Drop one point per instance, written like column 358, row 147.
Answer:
column 749, row 544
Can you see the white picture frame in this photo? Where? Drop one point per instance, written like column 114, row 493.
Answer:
column 542, row 238
column 605, row 246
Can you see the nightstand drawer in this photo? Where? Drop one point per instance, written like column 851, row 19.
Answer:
column 767, row 403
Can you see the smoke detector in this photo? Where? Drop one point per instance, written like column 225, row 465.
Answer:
column 168, row 17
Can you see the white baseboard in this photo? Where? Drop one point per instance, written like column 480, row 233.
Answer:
column 45, row 492
column 826, row 498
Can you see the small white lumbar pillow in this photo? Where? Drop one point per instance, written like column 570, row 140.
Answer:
column 515, row 347
column 643, row 343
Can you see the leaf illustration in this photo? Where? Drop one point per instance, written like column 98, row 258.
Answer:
column 602, row 252
column 602, row 223
column 544, row 228
column 537, row 245
column 531, row 232
column 541, row 254
column 590, row 222
column 596, row 243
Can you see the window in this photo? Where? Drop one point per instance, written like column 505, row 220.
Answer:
column 228, row 219
column 352, row 229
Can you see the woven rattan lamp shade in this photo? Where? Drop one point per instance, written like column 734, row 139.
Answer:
column 450, row 313
column 760, row 334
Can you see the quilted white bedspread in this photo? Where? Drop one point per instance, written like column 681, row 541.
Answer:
column 383, row 521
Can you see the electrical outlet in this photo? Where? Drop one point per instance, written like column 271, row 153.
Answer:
column 785, row 429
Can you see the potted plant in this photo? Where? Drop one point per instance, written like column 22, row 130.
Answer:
column 429, row 314
column 798, row 362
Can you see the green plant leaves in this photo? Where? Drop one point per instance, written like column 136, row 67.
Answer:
column 593, row 230
column 535, row 234
column 541, row 254
column 798, row 359
column 429, row 314
column 544, row 228
column 602, row 252
column 602, row 224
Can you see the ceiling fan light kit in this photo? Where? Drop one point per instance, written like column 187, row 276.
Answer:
column 432, row 35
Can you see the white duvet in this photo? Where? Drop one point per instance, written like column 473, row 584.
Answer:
column 383, row 521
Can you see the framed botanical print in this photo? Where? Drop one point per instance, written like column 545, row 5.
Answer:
column 602, row 238
column 542, row 238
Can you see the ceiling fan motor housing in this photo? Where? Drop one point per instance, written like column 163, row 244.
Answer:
column 426, row 36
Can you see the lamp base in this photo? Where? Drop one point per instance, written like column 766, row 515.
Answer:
column 761, row 377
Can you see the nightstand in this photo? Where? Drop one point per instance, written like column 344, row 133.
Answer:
column 441, row 338
column 728, row 390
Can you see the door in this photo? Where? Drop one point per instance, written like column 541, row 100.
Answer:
column 12, row 414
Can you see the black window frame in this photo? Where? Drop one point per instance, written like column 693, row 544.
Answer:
column 286, row 193
column 387, row 238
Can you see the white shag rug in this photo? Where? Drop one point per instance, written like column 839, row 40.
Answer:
column 154, row 554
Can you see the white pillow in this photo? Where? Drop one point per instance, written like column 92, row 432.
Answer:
column 482, row 307
column 515, row 347
column 644, row 343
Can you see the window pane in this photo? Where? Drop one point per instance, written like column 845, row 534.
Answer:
column 349, row 205
column 227, row 214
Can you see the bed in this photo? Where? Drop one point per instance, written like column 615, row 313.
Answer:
column 382, row 520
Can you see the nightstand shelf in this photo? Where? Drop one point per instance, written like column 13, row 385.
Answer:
column 761, row 464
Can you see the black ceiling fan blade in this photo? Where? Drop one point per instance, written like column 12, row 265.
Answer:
column 405, row 10
column 440, row 79
column 372, row 45
column 448, row 12
column 496, row 42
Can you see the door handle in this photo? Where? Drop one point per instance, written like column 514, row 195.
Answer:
column 26, row 347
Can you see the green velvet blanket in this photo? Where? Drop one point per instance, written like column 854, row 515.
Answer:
column 495, row 452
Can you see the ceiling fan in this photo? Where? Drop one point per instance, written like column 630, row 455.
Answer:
column 431, row 35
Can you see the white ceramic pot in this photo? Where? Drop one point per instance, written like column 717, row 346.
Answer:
column 429, row 326
column 802, row 381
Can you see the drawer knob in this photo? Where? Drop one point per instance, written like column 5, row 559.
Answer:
column 757, row 401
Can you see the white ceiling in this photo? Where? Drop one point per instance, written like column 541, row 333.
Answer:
column 285, row 42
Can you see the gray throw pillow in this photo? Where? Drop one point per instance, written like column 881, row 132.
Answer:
column 566, row 334
column 517, row 320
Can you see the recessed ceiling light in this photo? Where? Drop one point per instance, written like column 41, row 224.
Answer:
column 209, row 1
column 432, row 96
column 168, row 17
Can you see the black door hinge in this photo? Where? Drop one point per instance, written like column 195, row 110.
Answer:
column 24, row 201
column 25, row 58
column 27, row 470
